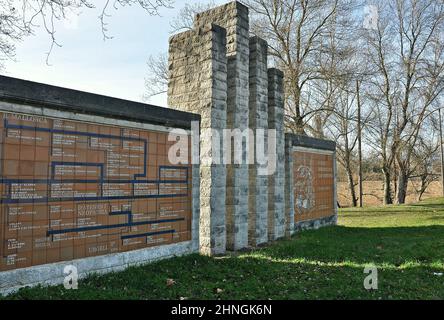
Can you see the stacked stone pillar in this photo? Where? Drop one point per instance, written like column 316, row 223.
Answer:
column 198, row 73
column 289, row 194
column 276, row 182
column 258, row 180
column 234, row 17
column 219, row 72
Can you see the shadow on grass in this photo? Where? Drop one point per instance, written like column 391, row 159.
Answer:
column 383, row 213
column 322, row 264
column 239, row 278
column 437, row 205
column 389, row 246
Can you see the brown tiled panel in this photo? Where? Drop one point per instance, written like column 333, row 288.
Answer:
column 72, row 190
column 313, row 185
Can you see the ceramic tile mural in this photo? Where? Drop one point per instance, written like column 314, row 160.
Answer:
column 71, row 190
column 313, row 185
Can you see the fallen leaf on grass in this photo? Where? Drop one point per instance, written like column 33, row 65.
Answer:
column 170, row 282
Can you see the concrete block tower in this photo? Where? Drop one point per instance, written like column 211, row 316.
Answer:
column 218, row 71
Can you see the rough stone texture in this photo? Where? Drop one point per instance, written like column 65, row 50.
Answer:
column 276, row 182
column 198, row 83
column 195, row 207
column 234, row 18
column 315, row 224
column 289, row 190
column 258, row 114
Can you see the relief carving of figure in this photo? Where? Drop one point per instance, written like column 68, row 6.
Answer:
column 304, row 190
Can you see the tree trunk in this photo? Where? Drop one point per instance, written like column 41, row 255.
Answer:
column 351, row 186
column 319, row 128
column 298, row 119
column 403, row 180
column 423, row 188
column 299, row 125
column 361, row 191
column 395, row 176
column 387, row 186
column 420, row 194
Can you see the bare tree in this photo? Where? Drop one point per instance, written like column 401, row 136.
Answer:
column 343, row 124
column 406, row 51
column 303, row 40
column 19, row 18
column 156, row 82
column 424, row 158
column 185, row 18
column 11, row 30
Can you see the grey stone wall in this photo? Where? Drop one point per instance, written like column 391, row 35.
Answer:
column 276, row 182
column 315, row 224
column 198, row 73
column 234, row 18
column 289, row 191
column 258, row 114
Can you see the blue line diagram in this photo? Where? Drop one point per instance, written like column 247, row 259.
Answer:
column 132, row 236
column 130, row 223
column 101, row 180
column 163, row 178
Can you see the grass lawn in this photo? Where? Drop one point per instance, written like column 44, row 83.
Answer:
column 406, row 243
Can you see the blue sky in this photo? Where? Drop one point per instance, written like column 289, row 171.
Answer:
column 115, row 67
